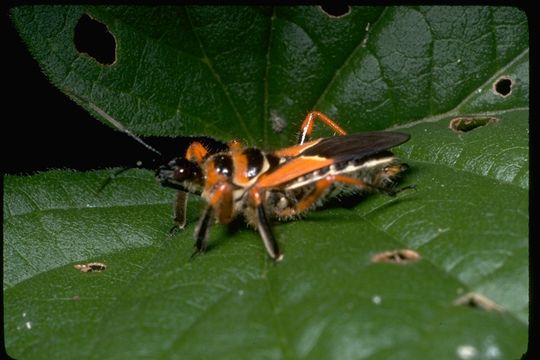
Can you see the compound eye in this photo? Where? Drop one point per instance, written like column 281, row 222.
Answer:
column 179, row 172
column 185, row 170
column 182, row 172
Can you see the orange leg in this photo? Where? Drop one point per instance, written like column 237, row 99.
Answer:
column 320, row 187
column 307, row 126
column 235, row 146
column 196, row 152
column 222, row 202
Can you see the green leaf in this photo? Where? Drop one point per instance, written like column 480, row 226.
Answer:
column 253, row 73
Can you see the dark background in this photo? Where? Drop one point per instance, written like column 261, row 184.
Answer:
column 43, row 129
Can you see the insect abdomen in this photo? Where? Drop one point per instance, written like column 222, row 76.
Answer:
column 377, row 170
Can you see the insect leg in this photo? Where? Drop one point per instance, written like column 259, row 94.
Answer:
column 196, row 152
column 235, row 146
column 180, row 209
column 202, row 229
column 306, row 202
column 321, row 186
column 362, row 184
column 222, row 202
column 307, row 126
column 267, row 236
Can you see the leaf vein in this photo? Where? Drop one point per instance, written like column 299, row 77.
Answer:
column 361, row 45
column 224, row 88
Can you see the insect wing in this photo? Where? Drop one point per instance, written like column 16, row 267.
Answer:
column 355, row 146
column 328, row 151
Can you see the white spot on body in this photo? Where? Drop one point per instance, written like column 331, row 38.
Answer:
column 282, row 204
column 238, row 195
column 28, row 325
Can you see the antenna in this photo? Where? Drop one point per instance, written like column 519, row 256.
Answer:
column 117, row 124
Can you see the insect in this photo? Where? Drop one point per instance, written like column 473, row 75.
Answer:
column 283, row 184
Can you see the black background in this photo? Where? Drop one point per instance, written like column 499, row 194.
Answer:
column 43, row 129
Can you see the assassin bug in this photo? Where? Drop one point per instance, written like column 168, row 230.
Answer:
column 281, row 184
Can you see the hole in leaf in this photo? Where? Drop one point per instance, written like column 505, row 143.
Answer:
column 336, row 10
column 478, row 301
column 404, row 256
column 94, row 39
column 90, row 267
column 464, row 124
column 503, row 86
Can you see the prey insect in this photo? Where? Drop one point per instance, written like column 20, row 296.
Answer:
column 283, row 184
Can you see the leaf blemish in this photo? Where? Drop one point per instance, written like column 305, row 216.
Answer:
column 478, row 301
column 278, row 122
column 466, row 352
column 94, row 39
column 90, row 267
column 335, row 10
column 402, row 257
column 503, row 86
column 465, row 124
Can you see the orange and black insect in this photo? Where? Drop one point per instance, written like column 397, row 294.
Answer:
column 236, row 180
